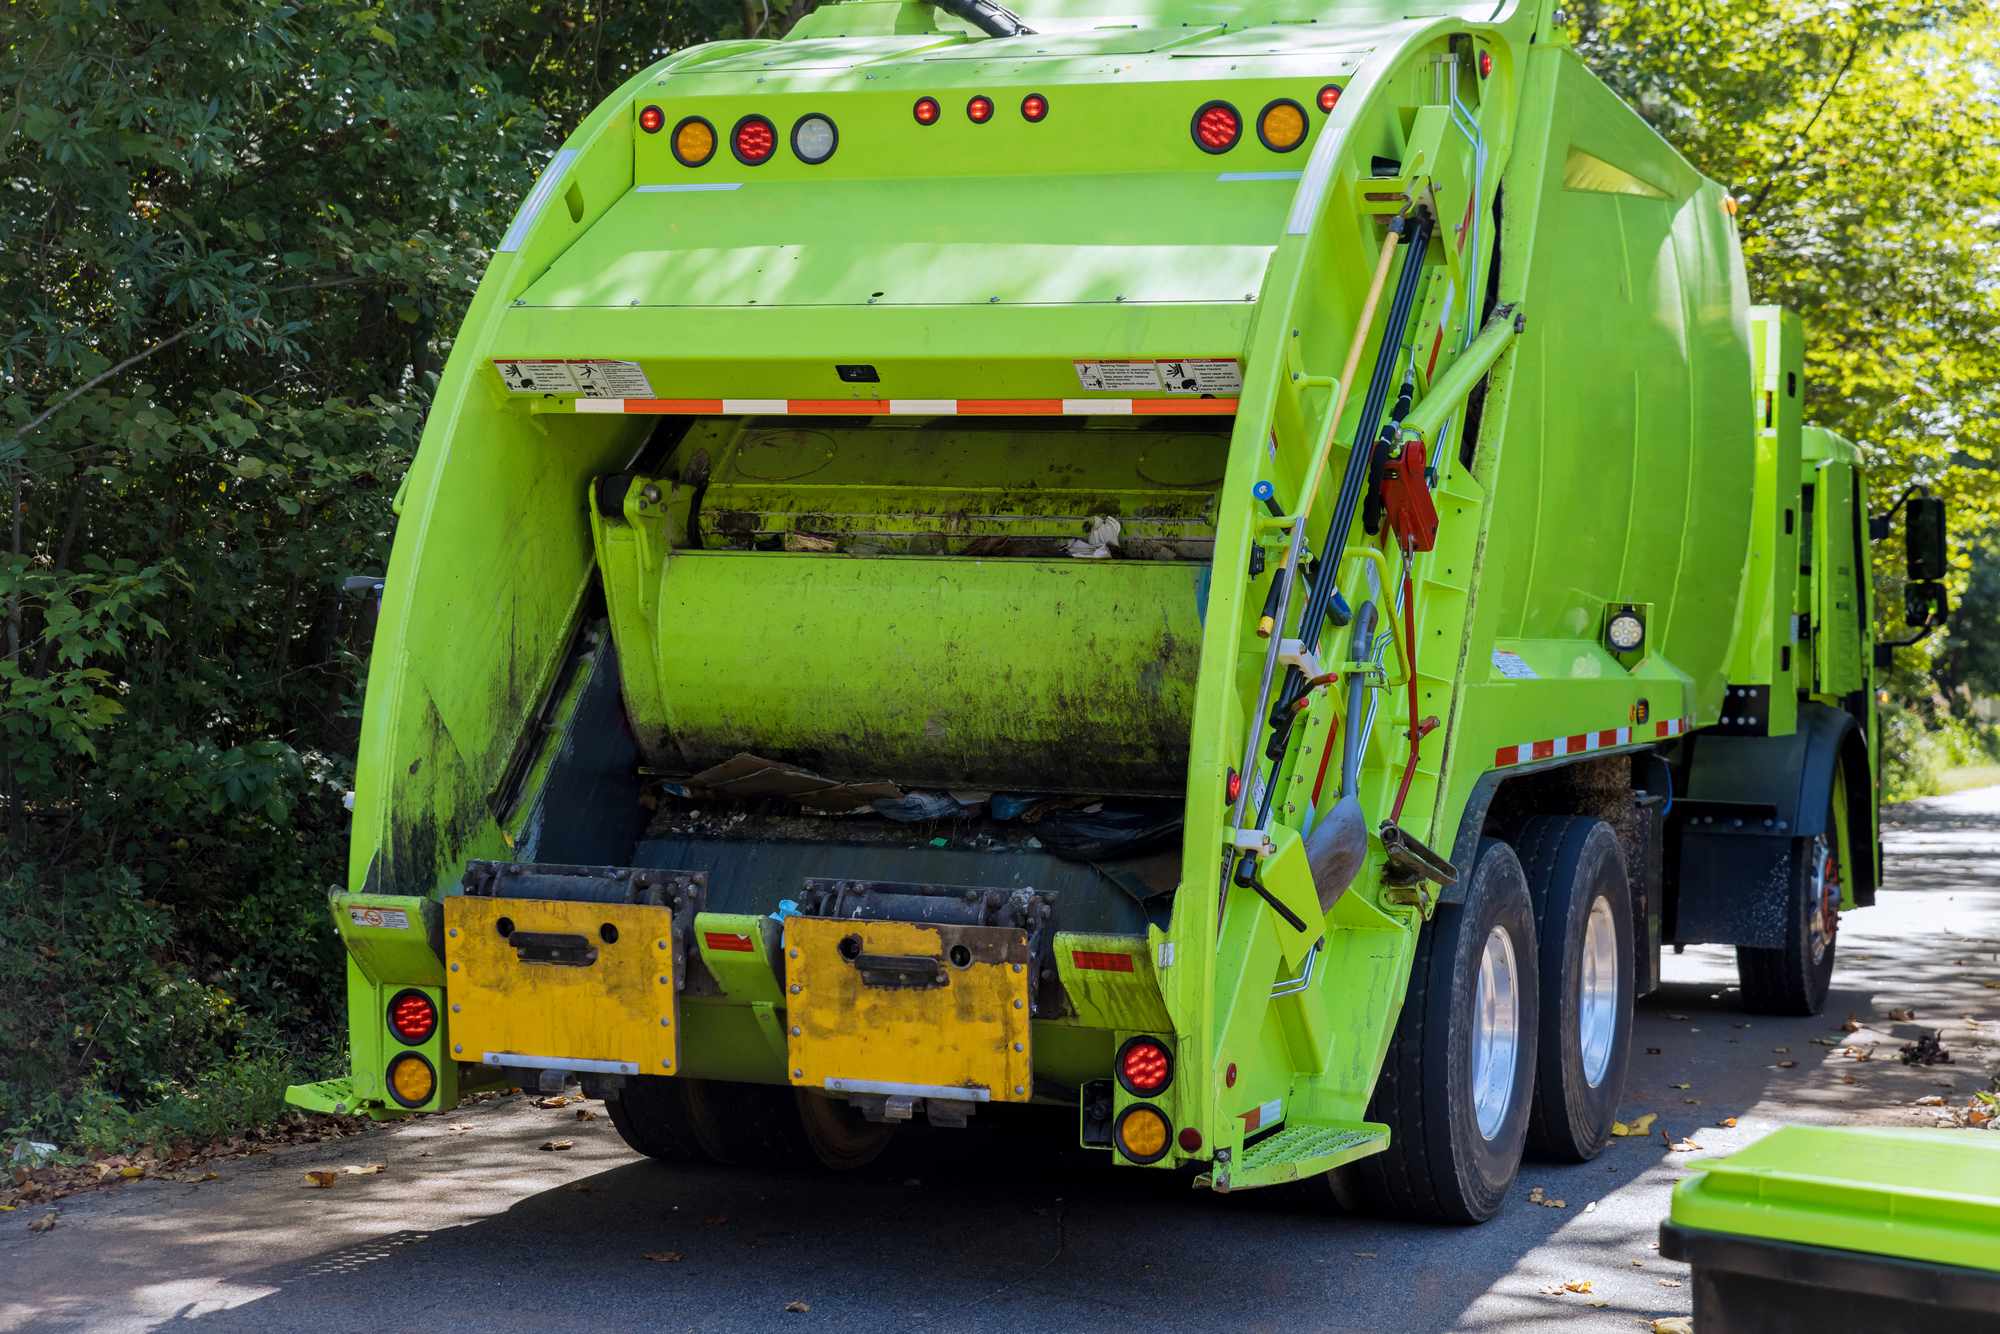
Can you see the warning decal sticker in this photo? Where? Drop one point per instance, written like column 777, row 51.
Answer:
column 394, row 919
column 586, row 379
column 1513, row 666
column 1200, row 375
column 1118, row 377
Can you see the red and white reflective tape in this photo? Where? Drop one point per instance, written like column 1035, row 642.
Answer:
column 1264, row 1114
column 914, row 407
column 1555, row 747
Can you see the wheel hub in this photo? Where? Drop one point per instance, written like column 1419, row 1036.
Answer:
column 1496, row 1032
column 1597, row 1003
column 1823, row 897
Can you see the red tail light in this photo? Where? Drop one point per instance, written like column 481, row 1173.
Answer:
column 926, row 111
column 979, row 110
column 1485, row 63
column 1034, row 107
column 1329, row 97
column 753, row 140
column 412, row 1017
column 1144, row 1067
column 652, row 120
column 1216, row 127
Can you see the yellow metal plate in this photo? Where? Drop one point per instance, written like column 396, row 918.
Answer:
column 887, row 1007
column 566, row 981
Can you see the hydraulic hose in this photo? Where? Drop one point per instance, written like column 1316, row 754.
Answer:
column 995, row 20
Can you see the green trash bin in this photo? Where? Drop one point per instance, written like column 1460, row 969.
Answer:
column 1820, row 1229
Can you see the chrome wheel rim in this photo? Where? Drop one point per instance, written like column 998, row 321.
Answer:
column 1496, row 1032
column 1822, row 897
column 1597, row 1005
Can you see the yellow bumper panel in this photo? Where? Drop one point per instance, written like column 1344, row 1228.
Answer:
column 576, row 985
column 915, row 1009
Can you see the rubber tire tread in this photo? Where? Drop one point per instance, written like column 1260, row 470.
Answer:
column 652, row 1115
column 1784, row 981
column 1417, row 1177
column 1562, row 1126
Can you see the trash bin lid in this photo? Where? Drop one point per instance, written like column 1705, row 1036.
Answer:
column 1931, row 1195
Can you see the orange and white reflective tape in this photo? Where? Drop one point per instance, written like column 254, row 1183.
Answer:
column 913, row 407
column 1527, row 752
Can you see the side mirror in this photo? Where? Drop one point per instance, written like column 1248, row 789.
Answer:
column 1923, row 541
column 1924, row 605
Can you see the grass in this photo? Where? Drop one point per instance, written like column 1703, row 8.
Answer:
column 1969, row 776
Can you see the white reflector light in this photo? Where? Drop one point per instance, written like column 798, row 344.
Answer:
column 1626, row 632
column 814, row 139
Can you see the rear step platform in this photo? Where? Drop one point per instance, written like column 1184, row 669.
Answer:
column 1301, row 1150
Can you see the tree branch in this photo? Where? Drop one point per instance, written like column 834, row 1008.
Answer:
column 1853, row 52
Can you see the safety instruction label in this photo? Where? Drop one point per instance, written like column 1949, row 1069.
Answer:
column 1513, row 666
column 395, row 919
column 1205, row 376
column 1199, row 375
column 586, row 379
column 1120, row 377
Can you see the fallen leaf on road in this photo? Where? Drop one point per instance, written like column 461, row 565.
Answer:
column 585, row 1114
column 1852, row 1025
column 1684, row 1146
column 1781, row 1050
column 321, row 1178
column 1902, row 1015
column 1577, row 1285
column 1847, row 1079
column 1858, row 1053
column 1692, row 1102
column 1990, row 984
column 1929, row 1100
column 1826, row 1042
column 665, row 1257
column 1638, row 1264
column 364, row 1169
column 1668, row 1282
column 1727, row 1123
column 1683, row 1086
column 554, row 1100
column 1535, row 1196
column 797, row 1308
column 44, row 1223
column 557, row 1145
column 463, row 1125
column 1926, row 1050
column 1639, row 1127
column 1785, row 1065
column 1673, row 1324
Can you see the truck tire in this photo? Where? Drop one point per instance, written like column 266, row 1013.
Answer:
column 1583, row 915
column 743, row 1125
column 1458, row 1079
column 1794, row 979
column 653, row 1115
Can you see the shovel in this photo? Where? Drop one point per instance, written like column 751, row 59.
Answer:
column 1338, row 843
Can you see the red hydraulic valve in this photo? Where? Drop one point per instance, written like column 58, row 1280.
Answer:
column 1406, row 498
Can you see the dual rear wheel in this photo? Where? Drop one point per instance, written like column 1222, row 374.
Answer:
column 704, row 1120
column 1516, row 1028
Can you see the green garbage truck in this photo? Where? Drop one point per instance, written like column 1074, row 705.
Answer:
column 1238, row 570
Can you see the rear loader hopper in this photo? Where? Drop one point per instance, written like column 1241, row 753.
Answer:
column 1233, row 570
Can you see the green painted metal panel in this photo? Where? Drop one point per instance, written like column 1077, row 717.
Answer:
column 1022, row 675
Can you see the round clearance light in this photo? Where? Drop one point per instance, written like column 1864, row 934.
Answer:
column 412, row 1017
column 814, row 139
column 1144, row 1067
column 1216, row 127
column 693, row 142
column 753, row 140
column 411, row 1080
column 652, row 120
column 1485, row 63
column 1626, row 631
column 1329, row 97
column 979, row 110
column 1282, row 127
column 1034, row 107
column 1142, row 1133
column 926, row 111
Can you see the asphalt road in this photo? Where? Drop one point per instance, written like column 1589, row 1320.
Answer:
column 471, row 1225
